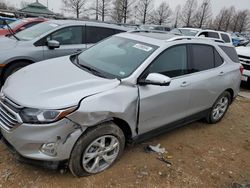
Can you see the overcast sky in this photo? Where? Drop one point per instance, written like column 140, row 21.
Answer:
column 56, row 5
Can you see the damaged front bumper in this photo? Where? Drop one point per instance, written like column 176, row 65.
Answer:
column 48, row 142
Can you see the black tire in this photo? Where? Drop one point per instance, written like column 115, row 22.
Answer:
column 210, row 118
column 13, row 68
column 83, row 143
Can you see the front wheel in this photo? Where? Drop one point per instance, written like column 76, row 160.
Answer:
column 219, row 108
column 97, row 150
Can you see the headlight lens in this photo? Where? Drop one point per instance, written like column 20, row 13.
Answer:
column 32, row 115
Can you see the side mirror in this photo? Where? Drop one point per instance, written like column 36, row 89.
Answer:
column 156, row 79
column 52, row 44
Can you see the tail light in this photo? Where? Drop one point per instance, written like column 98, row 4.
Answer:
column 241, row 69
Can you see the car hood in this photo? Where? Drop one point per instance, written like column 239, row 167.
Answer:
column 7, row 43
column 54, row 84
column 245, row 51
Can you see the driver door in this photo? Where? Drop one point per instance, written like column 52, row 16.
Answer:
column 161, row 105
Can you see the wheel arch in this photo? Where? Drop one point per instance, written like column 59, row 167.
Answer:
column 231, row 91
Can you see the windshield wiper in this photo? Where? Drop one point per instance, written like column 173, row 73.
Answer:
column 88, row 68
column 11, row 31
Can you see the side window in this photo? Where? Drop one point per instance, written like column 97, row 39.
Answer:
column 68, row 35
column 231, row 53
column 202, row 57
column 225, row 37
column 213, row 35
column 172, row 62
column 96, row 34
column 218, row 60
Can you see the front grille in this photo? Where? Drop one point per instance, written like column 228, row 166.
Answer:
column 9, row 118
column 247, row 67
column 245, row 61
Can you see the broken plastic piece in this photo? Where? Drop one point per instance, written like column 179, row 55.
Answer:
column 156, row 149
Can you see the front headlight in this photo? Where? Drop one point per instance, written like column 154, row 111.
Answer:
column 32, row 115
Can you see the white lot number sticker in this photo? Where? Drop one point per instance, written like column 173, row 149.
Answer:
column 143, row 47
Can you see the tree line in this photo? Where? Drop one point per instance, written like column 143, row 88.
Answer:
column 191, row 14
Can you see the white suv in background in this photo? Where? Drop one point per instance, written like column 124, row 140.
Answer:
column 244, row 56
column 195, row 32
column 216, row 34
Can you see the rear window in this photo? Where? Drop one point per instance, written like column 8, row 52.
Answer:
column 225, row 38
column 231, row 53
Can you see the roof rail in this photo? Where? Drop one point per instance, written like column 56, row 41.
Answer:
column 199, row 38
column 147, row 31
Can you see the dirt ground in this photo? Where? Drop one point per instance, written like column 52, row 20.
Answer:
column 203, row 156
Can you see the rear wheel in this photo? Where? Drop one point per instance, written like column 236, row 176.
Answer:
column 97, row 150
column 219, row 108
column 13, row 68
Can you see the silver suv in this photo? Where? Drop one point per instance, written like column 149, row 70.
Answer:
column 83, row 108
column 51, row 39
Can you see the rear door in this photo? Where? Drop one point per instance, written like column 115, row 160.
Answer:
column 208, row 77
column 71, row 39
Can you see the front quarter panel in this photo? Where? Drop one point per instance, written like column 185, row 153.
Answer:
column 120, row 102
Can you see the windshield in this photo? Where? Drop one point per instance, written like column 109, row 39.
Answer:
column 116, row 56
column 188, row 32
column 36, row 31
column 13, row 24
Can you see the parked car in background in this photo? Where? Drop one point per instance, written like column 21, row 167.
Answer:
column 82, row 109
column 3, row 21
column 239, row 40
column 186, row 31
column 204, row 33
column 50, row 39
column 244, row 56
column 154, row 27
column 216, row 34
column 20, row 25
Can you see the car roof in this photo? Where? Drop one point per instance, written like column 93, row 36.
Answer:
column 92, row 23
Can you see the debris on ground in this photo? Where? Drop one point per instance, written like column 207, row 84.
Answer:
column 164, row 155
column 156, row 149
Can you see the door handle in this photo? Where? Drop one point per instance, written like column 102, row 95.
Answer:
column 185, row 84
column 221, row 73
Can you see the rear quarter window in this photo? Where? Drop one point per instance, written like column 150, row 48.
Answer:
column 231, row 53
column 225, row 37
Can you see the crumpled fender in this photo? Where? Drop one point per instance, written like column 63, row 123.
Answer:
column 120, row 102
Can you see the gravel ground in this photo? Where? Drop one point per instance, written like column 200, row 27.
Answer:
column 202, row 156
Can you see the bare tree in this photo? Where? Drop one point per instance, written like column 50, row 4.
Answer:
column 242, row 21
column 144, row 7
column 188, row 12
column 177, row 16
column 121, row 10
column 220, row 19
column 229, row 17
column 3, row 5
column 203, row 15
column 101, row 8
column 161, row 14
column 74, row 6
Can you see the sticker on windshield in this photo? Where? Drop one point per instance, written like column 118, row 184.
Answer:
column 53, row 25
column 143, row 47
